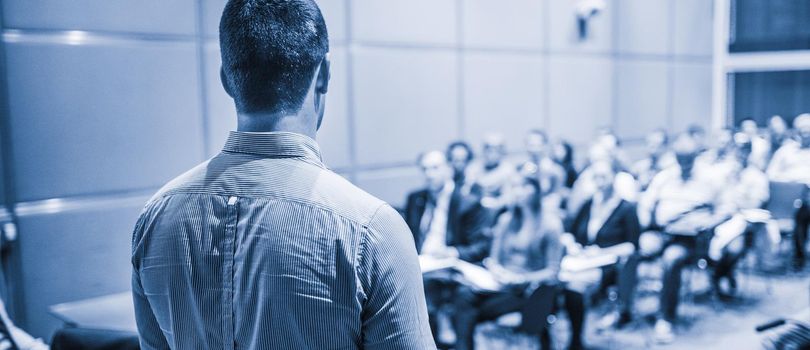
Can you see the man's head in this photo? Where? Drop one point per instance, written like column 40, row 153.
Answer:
column 603, row 173
column 749, row 126
column 494, row 150
column 434, row 167
column 698, row 134
column 777, row 125
column 802, row 125
column 742, row 143
column 459, row 154
column 274, row 56
column 536, row 143
column 657, row 142
column 686, row 150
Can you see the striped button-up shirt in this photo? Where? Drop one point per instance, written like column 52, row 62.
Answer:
column 262, row 247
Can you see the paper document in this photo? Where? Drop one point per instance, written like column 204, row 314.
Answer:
column 429, row 264
column 582, row 262
column 479, row 277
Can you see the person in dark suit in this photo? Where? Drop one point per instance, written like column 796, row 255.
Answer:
column 607, row 223
column 445, row 224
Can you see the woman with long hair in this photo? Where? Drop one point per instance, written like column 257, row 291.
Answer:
column 525, row 260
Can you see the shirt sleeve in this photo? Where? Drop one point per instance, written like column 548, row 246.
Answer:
column 394, row 312
column 149, row 331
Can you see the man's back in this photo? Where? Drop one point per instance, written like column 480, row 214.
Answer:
column 264, row 248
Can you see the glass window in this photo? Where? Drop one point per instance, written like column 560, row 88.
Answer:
column 769, row 25
column 760, row 95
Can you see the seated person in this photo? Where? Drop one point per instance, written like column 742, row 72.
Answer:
column 607, row 224
column 459, row 154
column 584, row 188
column 492, row 172
column 681, row 203
column 659, row 157
column 777, row 134
column 745, row 190
column 525, row 259
column 563, row 154
column 760, row 146
column 791, row 163
column 550, row 175
column 442, row 229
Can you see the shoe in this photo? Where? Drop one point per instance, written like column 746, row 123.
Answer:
column 663, row 332
column 614, row 320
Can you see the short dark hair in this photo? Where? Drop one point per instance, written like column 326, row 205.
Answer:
column 456, row 144
column 270, row 49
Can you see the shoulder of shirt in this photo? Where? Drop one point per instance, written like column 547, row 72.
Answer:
column 178, row 181
column 330, row 192
column 340, row 195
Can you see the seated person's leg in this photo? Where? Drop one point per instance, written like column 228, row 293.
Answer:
column 435, row 296
column 473, row 307
column 575, row 307
column 674, row 259
column 725, row 266
column 465, row 316
column 800, row 235
column 628, row 278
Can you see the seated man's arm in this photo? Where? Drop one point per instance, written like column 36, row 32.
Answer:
column 394, row 309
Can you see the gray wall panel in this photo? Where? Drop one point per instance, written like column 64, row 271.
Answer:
column 146, row 16
column 73, row 255
column 91, row 118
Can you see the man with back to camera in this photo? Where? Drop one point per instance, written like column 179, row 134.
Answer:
column 262, row 247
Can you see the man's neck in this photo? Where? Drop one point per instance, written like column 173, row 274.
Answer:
column 270, row 122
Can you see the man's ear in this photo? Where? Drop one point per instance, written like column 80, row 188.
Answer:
column 224, row 81
column 324, row 73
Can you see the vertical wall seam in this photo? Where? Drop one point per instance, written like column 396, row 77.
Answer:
column 350, row 96
column 460, row 54
column 199, row 41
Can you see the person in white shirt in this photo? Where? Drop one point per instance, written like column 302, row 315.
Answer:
column 778, row 133
column 745, row 191
column 791, row 163
column 760, row 146
column 659, row 157
column 681, row 203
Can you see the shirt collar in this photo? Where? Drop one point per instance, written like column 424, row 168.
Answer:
column 274, row 144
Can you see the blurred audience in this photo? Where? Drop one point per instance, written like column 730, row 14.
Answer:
column 791, row 163
column 606, row 223
column 444, row 227
column 492, row 172
column 760, row 146
column 563, row 154
column 459, row 154
column 550, row 175
column 525, row 259
column 659, row 157
column 695, row 201
column 681, row 204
